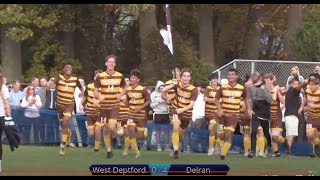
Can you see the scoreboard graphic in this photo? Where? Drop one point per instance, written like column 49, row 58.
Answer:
column 159, row 169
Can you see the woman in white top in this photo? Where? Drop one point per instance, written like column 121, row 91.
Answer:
column 4, row 107
column 32, row 103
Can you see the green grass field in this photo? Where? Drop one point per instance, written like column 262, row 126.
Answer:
column 39, row 160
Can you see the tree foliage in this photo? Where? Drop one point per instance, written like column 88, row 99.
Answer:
column 306, row 42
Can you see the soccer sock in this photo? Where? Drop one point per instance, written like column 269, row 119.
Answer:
column 275, row 146
column 126, row 144
column 96, row 145
column 134, row 145
column 261, row 143
column 218, row 142
column 281, row 139
column 69, row 136
column 64, row 138
column 175, row 141
column 107, row 142
column 225, row 148
column 211, row 141
column 246, row 144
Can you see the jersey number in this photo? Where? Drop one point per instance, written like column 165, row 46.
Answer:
column 231, row 99
column 110, row 88
column 183, row 99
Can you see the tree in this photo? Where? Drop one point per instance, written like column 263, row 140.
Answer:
column 206, row 42
column 305, row 44
column 294, row 22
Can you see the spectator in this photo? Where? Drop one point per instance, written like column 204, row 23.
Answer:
column 16, row 95
column 78, row 96
column 293, row 109
column 161, row 116
column 32, row 103
column 52, row 125
column 317, row 69
column 198, row 121
column 294, row 71
column 10, row 87
column 34, row 83
column 41, row 92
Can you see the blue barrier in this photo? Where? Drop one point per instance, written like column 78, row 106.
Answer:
column 49, row 134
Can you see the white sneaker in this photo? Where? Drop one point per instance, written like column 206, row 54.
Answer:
column 138, row 155
column 167, row 148
column 245, row 154
column 261, row 154
column 159, row 148
column 72, row 145
column 210, row 151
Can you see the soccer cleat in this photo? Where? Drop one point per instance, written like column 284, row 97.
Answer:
column 175, row 154
column 210, row 151
column 261, row 154
column 250, row 155
column 109, row 155
column 276, row 154
column 96, row 150
column 222, row 157
column 313, row 155
column 72, row 145
column 125, row 153
column 62, row 151
column 138, row 155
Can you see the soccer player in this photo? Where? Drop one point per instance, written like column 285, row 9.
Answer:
column 211, row 112
column 229, row 108
column 66, row 85
column 176, row 72
column 110, row 83
column 275, row 113
column 184, row 99
column 245, row 123
column 93, row 113
column 123, row 118
column 139, row 99
column 312, row 98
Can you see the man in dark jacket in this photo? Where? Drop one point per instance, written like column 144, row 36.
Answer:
column 261, row 100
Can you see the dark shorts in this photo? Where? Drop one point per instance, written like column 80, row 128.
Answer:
column 213, row 116
column 137, row 123
column 184, row 122
column 313, row 123
column 64, row 110
column 109, row 113
column 92, row 120
column 229, row 122
column 161, row 119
